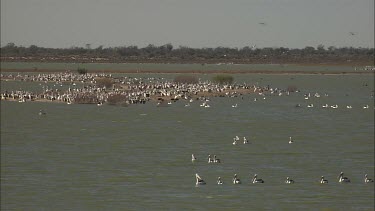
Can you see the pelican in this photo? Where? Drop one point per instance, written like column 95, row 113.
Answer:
column 245, row 141
column 234, row 106
column 236, row 180
column 187, row 105
column 325, row 106
column 256, row 180
column 210, row 160
column 366, row 106
column 349, row 106
column 334, row 106
column 343, row 179
column 193, row 158
column 310, row 105
column 289, row 181
column 219, row 182
column 199, row 180
column 216, row 160
column 323, row 181
column 234, row 141
column 368, row 180
column 290, row 140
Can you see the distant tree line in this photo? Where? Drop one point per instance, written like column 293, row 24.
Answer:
column 167, row 53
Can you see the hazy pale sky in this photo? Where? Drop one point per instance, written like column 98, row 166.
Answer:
column 192, row 23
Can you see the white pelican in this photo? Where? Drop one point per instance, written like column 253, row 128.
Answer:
column 289, row 181
column 193, row 158
column 245, row 141
column 210, row 160
column 290, row 140
column 368, row 180
column 234, row 141
column 234, row 106
column 349, row 106
column 366, row 106
column 310, row 105
column 325, row 106
column 199, row 180
column 256, row 180
column 216, row 160
column 323, row 181
column 236, row 180
column 219, row 182
column 334, row 106
column 343, row 179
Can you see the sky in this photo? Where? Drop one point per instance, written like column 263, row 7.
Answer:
column 191, row 23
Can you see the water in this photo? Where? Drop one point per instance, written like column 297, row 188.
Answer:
column 107, row 67
column 85, row 157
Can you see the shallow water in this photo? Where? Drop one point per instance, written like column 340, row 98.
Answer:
column 107, row 67
column 85, row 157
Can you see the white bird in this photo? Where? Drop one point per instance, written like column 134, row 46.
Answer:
column 199, row 180
column 343, row 179
column 245, row 141
column 234, row 141
column 290, row 140
column 236, row 180
column 349, row 106
column 210, row 160
column 193, row 158
column 256, row 180
column 368, row 180
column 366, row 106
column 219, row 182
column 323, row 181
column 216, row 160
column 334, row 106
column 310, row 105
column 289, row 181
column 234, row 106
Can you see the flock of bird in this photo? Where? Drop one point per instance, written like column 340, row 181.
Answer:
column 255, row 179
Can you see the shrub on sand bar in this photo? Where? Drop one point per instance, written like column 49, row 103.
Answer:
column 223, row 79
column 82, row 71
